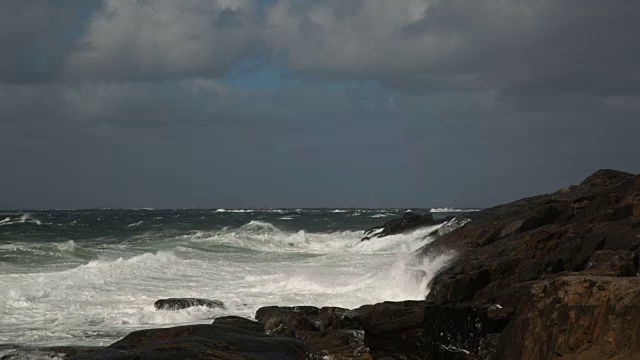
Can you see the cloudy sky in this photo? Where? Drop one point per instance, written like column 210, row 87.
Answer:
column 311, row 103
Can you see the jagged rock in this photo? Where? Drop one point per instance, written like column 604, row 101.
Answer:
column 545, row 257
column 576, row 317
column 453, row 329
column 389, row 329
column 409, row 221
column 183, row 303
column 393, row 329
column 201, row 342
column 287, row 321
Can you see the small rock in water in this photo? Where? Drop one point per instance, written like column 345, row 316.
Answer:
column 183, row 303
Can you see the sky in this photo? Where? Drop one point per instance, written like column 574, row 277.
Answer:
column 312, row 103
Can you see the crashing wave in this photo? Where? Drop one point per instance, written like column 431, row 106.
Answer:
column 23, row 219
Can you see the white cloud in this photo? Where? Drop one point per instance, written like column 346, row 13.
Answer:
column 164, row 38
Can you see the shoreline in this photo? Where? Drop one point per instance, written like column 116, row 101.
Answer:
column 544, row 277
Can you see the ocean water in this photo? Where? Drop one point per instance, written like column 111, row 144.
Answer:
column 89, row 277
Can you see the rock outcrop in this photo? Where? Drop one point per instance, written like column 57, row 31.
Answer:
column 563, row 268
column 215, row 341
column 391, row 330
column 183, row 303
column 409, row 221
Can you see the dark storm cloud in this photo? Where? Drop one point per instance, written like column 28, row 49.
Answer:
column 36, row 37
column 155, row 40
column 399, row 103
column 568, row 46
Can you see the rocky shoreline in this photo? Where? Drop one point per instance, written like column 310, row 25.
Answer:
column 546, row 277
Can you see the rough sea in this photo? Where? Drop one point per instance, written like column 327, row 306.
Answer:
column 89, row 277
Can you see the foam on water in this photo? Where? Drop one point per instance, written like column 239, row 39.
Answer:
column 22, row 219
column 452, row 210
column 112, row 291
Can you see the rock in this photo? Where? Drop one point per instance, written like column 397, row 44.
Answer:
column 578, row 317
column 451, row 329
column 52, row 352
column 393, row 329
column 288, row 321
column 183, row 303
column 238, row 322
column 324, row 330
column 565, row 264
column 389, row 329
column 201, row 342
column 410, row 221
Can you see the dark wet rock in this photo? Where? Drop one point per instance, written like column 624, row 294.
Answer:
column 451, row 329
column 201, row 342
column 287, row 321
column 393, row 329
column 410, row 221
column 52, row 352
column 565, row 264
column 240, row 323
column 183, row 303
column 389, row 329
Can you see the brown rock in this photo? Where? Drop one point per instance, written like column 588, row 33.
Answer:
column 576, row 317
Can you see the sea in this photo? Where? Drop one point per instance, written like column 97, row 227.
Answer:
column 89, row 277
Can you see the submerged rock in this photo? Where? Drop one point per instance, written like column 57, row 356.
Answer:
column 183, row 303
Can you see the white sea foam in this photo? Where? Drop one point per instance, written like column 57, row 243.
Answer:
column 27, row 218
column 135, row 224
column 22, row 219
column 66, row 246
column 380, row 215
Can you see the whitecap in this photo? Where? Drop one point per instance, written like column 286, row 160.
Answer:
column 451, row 210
